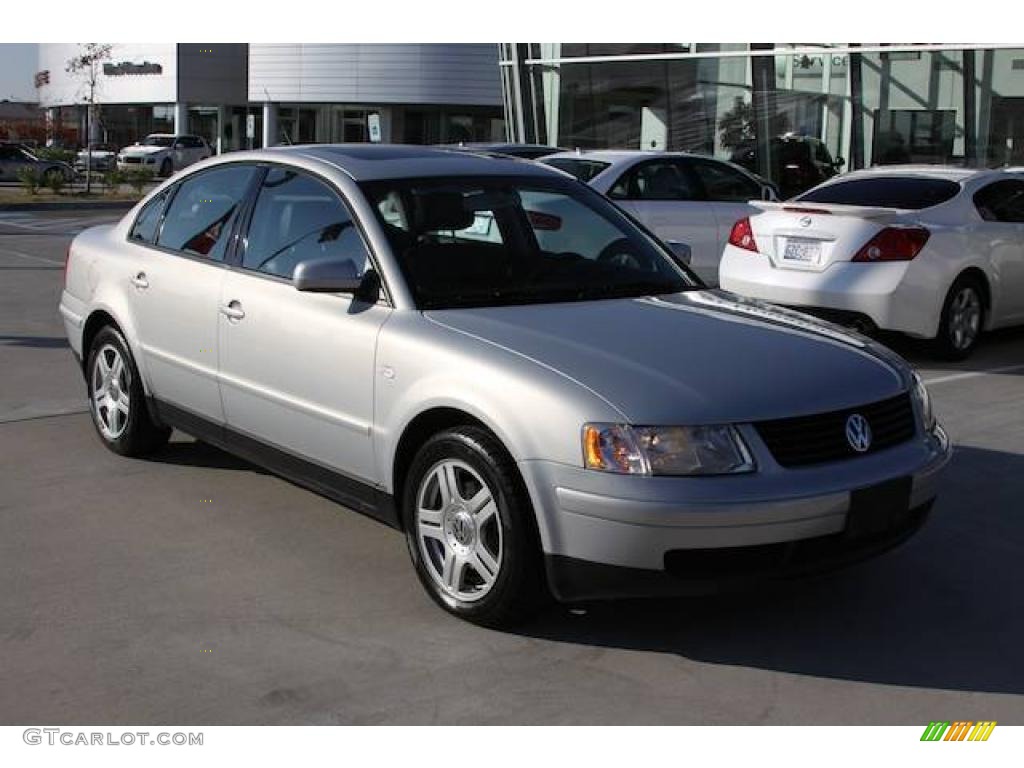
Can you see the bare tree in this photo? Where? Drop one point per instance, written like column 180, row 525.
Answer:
column 87, row 66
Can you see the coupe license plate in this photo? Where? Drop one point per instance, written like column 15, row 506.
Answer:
column 802, row 251
column 876, row 509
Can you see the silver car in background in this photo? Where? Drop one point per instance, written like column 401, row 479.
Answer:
column 493, row 358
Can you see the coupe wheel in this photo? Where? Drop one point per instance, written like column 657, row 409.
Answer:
column 117, row 400
column 963, row 317
column 470, row 528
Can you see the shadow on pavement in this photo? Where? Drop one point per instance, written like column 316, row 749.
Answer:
column 1004, row 347
column 35, row 342
column 195, row 453
column 943, row 611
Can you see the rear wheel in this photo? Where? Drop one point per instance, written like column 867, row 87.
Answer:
column 963, row 317
column 117, row 399
column 470, row 528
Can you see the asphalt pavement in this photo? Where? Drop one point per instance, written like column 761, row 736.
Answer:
column 194, row 588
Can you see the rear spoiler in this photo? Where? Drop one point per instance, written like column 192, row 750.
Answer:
column 858, row 211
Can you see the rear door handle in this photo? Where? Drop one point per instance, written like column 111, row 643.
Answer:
column 232, row 310
column 140, row 281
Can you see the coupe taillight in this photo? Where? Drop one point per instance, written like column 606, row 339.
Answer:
column 894, row 244
column 742, row 236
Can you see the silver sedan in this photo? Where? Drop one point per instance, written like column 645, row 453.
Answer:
column 494, row 359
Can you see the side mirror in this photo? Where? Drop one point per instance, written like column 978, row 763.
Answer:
column 681, row 251
column 333, row 276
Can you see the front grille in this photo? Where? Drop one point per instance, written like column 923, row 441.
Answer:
column 804, row 440
column 133, row 160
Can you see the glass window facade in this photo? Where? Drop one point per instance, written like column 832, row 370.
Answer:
column 796, row 113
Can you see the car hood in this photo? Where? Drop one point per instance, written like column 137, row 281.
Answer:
column 699, row 357
column 143, row 150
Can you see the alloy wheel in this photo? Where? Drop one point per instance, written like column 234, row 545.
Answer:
column 110, row 392
column 964, row 318
column 458, row 530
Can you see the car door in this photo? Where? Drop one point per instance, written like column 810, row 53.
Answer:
column 665, row 196
column 297, row 368
column 728, row 191
column 1001, row 205
column 183, row 237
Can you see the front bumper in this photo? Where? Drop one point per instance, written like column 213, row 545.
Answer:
column 615, row 536
column 895, row 296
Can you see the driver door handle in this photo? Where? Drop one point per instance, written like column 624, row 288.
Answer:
column 140, row 281
column 232, row 310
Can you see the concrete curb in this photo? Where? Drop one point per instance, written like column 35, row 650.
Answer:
column 81, row 205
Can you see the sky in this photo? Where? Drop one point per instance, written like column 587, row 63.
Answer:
column 19, row 64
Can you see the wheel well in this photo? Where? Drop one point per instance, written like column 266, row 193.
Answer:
column 418, row 431
column 96, row 321
column 978, row 275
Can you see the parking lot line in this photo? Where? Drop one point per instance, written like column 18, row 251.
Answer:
column 30, row 257
column 972, row 374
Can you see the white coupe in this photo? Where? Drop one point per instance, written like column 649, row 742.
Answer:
column 934, row 252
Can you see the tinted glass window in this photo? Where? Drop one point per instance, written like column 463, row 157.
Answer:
column 1001, row 201
column 886, row 192
column 724, row 183
column 203, row 211
column 659, row 180
column 494, row 242
column 144, row 229
column 584, row 170
column 299, row 218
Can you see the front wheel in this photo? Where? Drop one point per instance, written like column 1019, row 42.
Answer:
column 117, row 399
column 470, row 528
column 963, row 317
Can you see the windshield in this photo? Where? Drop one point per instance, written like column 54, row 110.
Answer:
column 907, row 192
column 477, row 242
column 158, row 141
column 584, row 170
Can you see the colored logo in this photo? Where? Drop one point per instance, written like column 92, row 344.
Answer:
column 858, row 433
column 961, row 730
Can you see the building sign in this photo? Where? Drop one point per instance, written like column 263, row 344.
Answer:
column 129, row 68
column 42, row 78
column 373, row 126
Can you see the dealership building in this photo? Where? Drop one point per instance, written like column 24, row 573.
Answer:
column 251, row 95
column 866, row 104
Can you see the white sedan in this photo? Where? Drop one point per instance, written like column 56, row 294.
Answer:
column 164, row 153
column 681, row 197
column 930, row 251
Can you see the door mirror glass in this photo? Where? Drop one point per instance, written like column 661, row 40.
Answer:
column 328, row 276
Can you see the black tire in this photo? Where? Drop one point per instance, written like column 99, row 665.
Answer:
column 166, row 168
column 519, row 587
column 955, row 341
column 139, row 435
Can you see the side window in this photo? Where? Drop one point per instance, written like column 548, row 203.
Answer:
column 725, row 184
column 202, row 213
column 1001, row 201
column 144, row 228
column 657, row 180
column 299, row 218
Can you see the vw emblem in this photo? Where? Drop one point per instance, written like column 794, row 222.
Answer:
column 805, row 221
column 858, row 433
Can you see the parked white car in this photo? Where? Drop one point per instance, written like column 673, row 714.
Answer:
column 930, row 251
column 681, row 197
column 164, row 153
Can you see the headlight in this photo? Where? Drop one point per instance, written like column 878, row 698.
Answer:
column 705, row 450
column 924, row 403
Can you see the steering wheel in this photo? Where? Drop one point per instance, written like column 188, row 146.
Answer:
column 623, row 253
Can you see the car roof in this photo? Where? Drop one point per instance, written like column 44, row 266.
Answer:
column 371, row 162
column 947, row 172
column 615, row 155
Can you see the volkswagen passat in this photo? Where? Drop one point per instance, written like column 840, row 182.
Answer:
column 493, row 358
